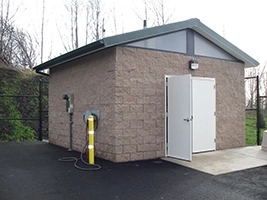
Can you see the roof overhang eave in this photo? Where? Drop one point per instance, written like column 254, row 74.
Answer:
column 70, row 56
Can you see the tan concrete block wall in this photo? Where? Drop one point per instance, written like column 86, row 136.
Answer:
column 91, row 79
column 139, row 108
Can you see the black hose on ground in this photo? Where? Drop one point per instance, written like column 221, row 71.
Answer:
column 91, row 167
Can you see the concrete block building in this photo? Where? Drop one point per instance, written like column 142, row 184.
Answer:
column 125, row 76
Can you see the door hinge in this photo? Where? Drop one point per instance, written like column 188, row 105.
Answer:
column 214, row 113
column 215, row 140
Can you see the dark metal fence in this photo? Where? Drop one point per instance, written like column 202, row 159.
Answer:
column 37, row 121
column 256, row 106
column 43, row 110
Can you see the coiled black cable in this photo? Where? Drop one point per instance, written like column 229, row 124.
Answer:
column 92, row 167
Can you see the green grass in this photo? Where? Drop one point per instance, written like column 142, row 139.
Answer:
column 17, row 130
column 251, row 131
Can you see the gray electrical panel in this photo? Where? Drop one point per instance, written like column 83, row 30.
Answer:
column 69, row 102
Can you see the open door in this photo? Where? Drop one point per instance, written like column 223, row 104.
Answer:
column 179, row 117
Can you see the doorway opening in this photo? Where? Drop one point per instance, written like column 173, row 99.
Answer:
column 190, row 117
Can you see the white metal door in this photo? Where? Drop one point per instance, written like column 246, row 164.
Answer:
column 179, row 133
column 203, row 109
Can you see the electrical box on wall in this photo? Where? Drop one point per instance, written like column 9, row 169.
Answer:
column 193, row 64
column 69, row 102
column 91, row 112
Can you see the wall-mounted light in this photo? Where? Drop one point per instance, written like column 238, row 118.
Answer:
column 193, row 64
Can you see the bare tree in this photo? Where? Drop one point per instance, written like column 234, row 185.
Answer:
column 114, row 20
column 157, row 8
column 263, row 87
column 42, row 31
column 4, row 28
column 85, row 23
column 162, row 11
column 95, row 19
column 73, row 9
column 25, row 54
column 75, row 24
column 142, row 13
column 16, row 46
column 70, row 37
column 156, row 12
column 251, row 87
column 113, row 17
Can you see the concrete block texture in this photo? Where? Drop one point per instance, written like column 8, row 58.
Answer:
column 92, row 81
column 144, row 71
column 127, row 85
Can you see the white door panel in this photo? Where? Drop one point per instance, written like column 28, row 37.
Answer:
column 179, row 117
column 204, row 122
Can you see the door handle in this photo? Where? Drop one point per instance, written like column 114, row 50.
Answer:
column 187, row 119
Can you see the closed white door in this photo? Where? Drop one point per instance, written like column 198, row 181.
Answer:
column 204, row 119
column 178, row 117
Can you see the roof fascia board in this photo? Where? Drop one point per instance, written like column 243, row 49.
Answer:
column 72, row 55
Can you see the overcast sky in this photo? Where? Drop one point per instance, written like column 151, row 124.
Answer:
column 242, row 22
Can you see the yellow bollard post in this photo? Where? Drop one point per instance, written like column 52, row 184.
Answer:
column 91, row 148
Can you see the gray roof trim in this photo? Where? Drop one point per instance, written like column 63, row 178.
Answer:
column 72, row 55
column 148, row 33
column 125, row 38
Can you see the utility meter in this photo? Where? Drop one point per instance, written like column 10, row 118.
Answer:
column 69, row 102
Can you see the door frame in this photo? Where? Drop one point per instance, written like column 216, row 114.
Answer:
column 167, row 107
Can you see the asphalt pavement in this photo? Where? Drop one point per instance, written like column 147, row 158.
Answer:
column 31, row 170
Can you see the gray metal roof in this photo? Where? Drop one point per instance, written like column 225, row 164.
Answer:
column 125, row 38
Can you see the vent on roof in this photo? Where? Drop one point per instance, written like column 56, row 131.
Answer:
column 144, row 23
